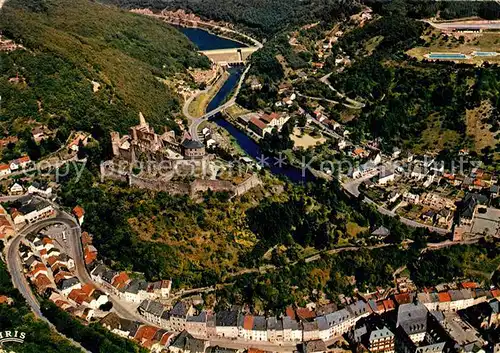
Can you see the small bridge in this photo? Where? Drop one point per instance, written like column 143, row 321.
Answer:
column 230, row 56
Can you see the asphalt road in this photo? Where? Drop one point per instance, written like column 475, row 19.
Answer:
column 353, row 189
column 76, row 252
column 18, row 278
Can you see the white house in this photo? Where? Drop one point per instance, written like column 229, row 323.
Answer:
column 32, row 211
column 226, row 324
column 21, row 162
column 323, row 328
column 363, row 170
column 292, row 332
column 16, row 189
column 5, row 169
column 386, row 176
column 211, row 143
column 38, row 189
column 79, row 213
column 310, row 331
column 411, row 198
column 341, row 144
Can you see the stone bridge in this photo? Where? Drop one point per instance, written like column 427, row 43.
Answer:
column 230, row 56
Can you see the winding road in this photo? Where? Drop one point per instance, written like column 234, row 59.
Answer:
column 15, row 268
column 74, row 241
column 352, row 188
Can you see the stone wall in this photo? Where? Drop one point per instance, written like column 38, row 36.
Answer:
column 176, row 187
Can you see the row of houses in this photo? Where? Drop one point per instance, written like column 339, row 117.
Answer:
column 131, row 290
column 461, row 297
column 234, row 324
column 51, row 271
column 420, row 328
column 29, row 209
column 263, row 123
column 14, row 165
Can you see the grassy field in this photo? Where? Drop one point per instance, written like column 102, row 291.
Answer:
column 478, row 130
column 305, row 140
column 439, row 42
column 236, row 110
column 435, row 137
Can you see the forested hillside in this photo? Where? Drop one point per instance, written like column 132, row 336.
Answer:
column 69, row 44
column 263, row 17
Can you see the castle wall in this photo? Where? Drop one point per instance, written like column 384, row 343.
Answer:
column 178, row 188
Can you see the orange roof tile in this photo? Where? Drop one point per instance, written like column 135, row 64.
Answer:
column 78, row 211
column 42, row 282
column 257, row 122
column 402, row 298
column 120, row 279
column 444, row 297
column 23, row 159
column 4, row 167
column 145, row 333
column 304, row 313
column 89, row 256
column 166, row 337
column 290, row 312
column 495, row 293
column 62, row 275
column 248, row 322
column 47, row 240
column 467, row 285
column 39, row 267
column 52, row 260
column 88, row 289
column 389, row 304
column 255, row 350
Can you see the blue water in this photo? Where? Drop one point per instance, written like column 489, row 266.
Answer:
column 227, row 87
column 207, row 41
column 245, row 142
column 485, row 53
column 253, row 150
column 447, row 56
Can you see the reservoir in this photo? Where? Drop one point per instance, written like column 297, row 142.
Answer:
column 205, row 40
column 208, row 41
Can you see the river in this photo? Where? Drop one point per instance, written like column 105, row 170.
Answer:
column 208, row 41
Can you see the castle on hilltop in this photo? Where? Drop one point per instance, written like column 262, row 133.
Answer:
column 160, row 162
column 145, row 144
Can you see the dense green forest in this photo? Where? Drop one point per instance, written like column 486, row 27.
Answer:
column 201, row 243
column 69, row 44
column 263, row 17
column 340, row 273
column 40, row 338
column 269, row 17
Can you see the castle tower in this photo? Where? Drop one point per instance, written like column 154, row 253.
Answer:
column 115, row 143
column 142, row 120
